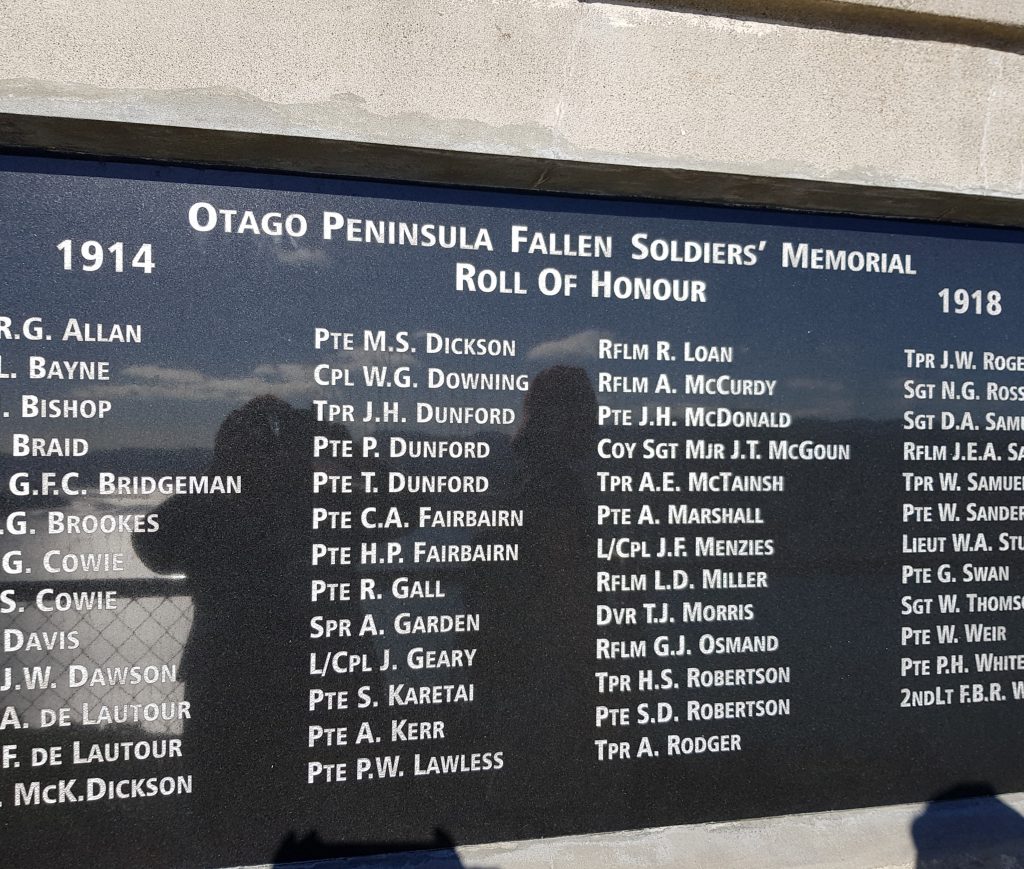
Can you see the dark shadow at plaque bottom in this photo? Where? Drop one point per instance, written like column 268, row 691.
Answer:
column 437, row 854
column 969, row 826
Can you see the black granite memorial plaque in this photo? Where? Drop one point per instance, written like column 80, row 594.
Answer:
column 342, row 517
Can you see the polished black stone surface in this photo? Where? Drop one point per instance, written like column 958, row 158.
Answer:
column 633, row 601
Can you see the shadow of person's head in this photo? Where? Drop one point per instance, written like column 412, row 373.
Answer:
column 968, row 825
column 559, row 418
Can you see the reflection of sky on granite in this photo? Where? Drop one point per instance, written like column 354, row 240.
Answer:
column 227, row 317
column 143, row 630
column 34, row 547
column 148, row 629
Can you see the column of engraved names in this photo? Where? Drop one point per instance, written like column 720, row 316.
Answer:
column 395, row 645
column 63, row 547
column 960, row 541
column 686, row 489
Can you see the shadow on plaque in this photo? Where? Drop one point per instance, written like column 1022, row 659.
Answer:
column 246, row 557
column 969, row 827
column 538, row 669
column 438, row 853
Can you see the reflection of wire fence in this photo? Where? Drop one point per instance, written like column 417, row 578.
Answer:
column 147, row 629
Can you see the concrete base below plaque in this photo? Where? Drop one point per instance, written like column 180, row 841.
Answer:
column 986, row 833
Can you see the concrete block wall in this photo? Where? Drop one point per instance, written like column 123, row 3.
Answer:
column 736, row 100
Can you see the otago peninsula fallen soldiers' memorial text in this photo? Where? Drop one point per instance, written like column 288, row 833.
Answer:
column 342, row 517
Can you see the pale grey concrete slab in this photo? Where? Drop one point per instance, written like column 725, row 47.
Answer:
column 974, row 834
column 596, row 83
